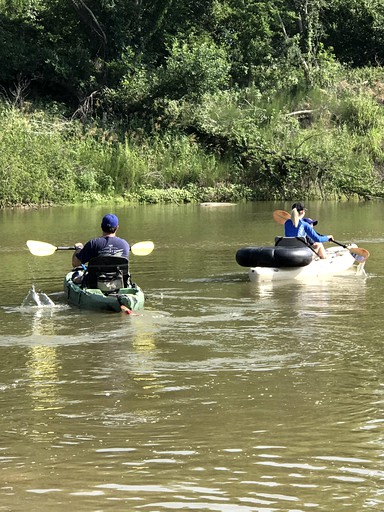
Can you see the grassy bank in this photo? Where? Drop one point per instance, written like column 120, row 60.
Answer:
column 46, row 159
column 324, row 143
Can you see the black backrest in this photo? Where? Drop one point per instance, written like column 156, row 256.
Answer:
column 290, row 241
column 106, row 265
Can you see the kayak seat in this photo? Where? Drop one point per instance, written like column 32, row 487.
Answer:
column 107, row 273
column 290, row 241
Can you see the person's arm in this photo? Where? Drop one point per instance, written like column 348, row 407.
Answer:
column 311, row 233
column 76, row 262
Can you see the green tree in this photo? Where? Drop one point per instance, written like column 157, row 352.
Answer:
column 355, row 31
column 303, row 31
column 247, row 30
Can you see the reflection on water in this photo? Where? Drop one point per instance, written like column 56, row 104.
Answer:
column 43, row 367
column 323, row 295
column 144, row 335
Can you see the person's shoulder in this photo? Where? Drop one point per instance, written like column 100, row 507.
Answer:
column 121, row 241
column 91, row 241
column 306, row 225
column 95, row 240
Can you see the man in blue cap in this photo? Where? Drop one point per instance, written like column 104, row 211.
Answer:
column 108, row 244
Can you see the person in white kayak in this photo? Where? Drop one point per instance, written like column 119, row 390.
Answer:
column 297, row 226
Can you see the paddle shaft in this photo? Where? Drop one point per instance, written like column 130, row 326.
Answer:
column 341, row 245
column 139, row 249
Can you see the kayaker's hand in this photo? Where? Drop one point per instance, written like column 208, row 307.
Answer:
column 330, row 238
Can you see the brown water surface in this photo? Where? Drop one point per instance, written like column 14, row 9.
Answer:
column 222, row 395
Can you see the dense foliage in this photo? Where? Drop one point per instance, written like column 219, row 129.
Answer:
column 178, row 100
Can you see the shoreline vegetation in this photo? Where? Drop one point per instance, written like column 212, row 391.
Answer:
column 216, row 102
column 332, row 149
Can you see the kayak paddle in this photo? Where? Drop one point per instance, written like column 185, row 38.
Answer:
column 358, row 253
column 280, row 216
column 44, row 249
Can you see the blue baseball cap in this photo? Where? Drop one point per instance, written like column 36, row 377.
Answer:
column 310, row 221
column 110, row 221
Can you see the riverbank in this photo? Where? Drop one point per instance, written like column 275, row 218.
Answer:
column 276, row 150
column 217, row 195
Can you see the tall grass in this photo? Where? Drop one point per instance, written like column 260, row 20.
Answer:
column 45, row 159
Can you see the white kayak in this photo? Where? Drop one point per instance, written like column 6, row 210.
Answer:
column 339, row 260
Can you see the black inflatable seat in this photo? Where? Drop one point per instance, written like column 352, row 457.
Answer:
column 290, row 241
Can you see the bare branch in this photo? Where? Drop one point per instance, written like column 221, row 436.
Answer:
column 85, row 110
column 300, row 113
column 90, row 19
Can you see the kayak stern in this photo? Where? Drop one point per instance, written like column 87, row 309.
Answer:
column 88, row 298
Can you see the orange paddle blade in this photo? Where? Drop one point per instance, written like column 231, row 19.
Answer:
column 280, row 216
column 359, row 254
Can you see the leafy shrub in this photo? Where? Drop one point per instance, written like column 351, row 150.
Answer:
column 360, row 113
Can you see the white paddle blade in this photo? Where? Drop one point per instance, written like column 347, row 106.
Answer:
column 142, row 248
column 40, row 248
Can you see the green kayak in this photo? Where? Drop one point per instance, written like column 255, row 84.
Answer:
column 125, row 299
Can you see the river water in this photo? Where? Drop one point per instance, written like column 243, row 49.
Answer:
column 221, row 395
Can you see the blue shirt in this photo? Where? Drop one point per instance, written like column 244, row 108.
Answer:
column 104, row 246
column 303, row 229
